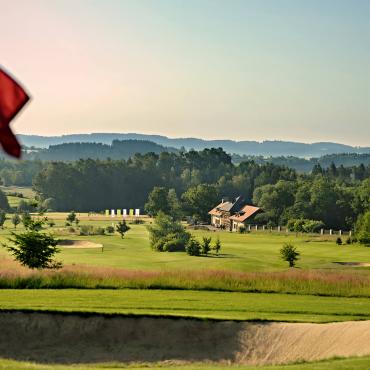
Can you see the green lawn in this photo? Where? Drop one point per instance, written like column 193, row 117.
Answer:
column 247, row 252
column 361, row 363
column 187, row 303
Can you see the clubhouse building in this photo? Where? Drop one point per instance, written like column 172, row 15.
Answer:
column 231, row 215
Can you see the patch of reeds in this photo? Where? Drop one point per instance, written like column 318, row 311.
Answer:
column 294, row 281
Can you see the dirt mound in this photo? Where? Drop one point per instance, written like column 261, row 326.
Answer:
column 78, row 244
column 70, row 338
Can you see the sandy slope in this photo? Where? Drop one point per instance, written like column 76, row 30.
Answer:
column 78, row 244
column 75, row 339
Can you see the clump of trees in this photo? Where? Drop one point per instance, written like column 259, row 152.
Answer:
column 169, row 235
column 33, row 248
column 290, row 254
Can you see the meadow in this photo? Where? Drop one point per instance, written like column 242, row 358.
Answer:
column 247, row 282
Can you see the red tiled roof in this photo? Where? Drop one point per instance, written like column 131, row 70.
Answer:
column 246, row 212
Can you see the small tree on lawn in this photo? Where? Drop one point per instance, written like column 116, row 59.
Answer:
column 339, row 241
column 206, row 245
column 2, row 218
column 193, row 247
column 26, row 219
column 71, row 217
column 217, row 246
column 34, row 249
column 16, row 220
column 289, row 253
column 122, row 228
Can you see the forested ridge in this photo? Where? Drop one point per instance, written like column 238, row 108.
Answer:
column 199, row 179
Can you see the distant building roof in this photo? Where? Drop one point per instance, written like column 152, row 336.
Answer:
column 246, row 212
column 227, row 206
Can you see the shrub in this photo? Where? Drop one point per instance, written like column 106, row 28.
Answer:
column 339, row 241
column 206, row 245
column 137, row 221
column 303, row 225
column 90, row 230
column 349, row 240
column 109, row 229
column 99, row 231
column 167, row 235
column 289, row 253
column 193, row 247
column 242, row 229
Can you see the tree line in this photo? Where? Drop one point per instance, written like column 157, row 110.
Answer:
column 191, row 183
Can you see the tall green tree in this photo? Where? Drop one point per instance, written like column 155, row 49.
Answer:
column 199, row 200
column 158, row 201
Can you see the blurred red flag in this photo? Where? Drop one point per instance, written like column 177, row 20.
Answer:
column 12, row 99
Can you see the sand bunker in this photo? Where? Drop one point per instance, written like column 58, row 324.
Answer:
column 78, row 244
column 70, row 338
column 354, row 264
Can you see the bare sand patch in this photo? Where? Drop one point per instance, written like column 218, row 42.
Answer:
column 79, row 244
column 354, row 264
column 73, row 338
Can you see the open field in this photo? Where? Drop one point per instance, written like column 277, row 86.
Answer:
column 187, row 303
column 175, row 285
column 361, row 363
column 240, row 252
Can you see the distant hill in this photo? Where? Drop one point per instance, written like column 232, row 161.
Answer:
column 264, row 148
column 306, row 165
column 118, row 149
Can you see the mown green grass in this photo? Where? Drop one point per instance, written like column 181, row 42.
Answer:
column 187, row 303
column 360, row 363
column 248, row 252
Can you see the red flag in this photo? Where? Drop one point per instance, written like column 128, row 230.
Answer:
column 12, row 99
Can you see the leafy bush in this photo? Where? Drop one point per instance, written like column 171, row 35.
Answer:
column 242, row 230
column 109, row 229
column 289, row 253
column 303, row 225
column 90, row 230
column 137, row 221
column 193, row 247
column 349, row 240
column 339, row 241
column 168, row 235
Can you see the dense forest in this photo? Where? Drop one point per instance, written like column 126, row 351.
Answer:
column 335, row 196
column 123, row 149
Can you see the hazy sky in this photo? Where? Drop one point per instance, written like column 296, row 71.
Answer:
column 245, row 70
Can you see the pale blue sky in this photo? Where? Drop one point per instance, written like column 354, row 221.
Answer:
column 245, row 70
